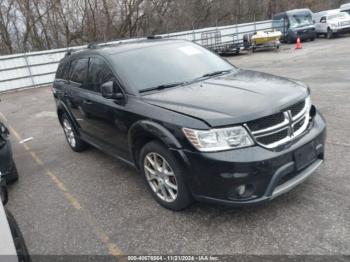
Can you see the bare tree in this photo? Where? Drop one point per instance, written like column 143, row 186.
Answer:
column 27, row 25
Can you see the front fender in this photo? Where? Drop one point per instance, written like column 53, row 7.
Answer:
column 146, row 130
column 156, row 130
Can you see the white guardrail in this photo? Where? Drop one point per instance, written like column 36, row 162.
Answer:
column 38, row 68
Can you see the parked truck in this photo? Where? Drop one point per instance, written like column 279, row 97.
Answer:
column 332, row 22
column 295, row 23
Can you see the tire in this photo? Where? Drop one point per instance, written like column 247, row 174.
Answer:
column 164, row 174
column 13, row 176
column 246, row 41
column 73, row 140
column 329, row 34
column 238, row 50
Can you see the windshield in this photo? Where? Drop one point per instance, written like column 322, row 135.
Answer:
column 337, row 16
column 300, row 20
column 165, row 64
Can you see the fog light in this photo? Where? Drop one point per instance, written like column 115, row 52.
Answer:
column 241, row 190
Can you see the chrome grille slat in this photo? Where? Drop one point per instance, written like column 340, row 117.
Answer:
column 272, row 132
column 296, row 120
column 270, row 139
column 266, row 122
column 271, row 129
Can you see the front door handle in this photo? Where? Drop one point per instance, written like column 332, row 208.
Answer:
column 87, row 102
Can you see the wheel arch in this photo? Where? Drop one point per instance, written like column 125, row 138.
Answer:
column 63, row 109
column 146, row 131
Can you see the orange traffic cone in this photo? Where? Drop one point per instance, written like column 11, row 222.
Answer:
column 298, row 44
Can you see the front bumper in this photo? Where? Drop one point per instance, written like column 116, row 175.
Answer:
column 215, row 177
column 303, row 34
column 341, row 30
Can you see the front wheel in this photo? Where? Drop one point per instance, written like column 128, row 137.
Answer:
column 164, row 177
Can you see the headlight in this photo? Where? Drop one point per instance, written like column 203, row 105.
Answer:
column 218, row 139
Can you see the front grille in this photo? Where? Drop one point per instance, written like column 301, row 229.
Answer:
column 266, row 122
column 273, row 138
column 280, row 128
column 297, row 108
column 306, row 31
column 299, row 125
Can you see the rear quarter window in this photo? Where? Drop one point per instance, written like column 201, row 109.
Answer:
column 78, row 70
column 62, row 70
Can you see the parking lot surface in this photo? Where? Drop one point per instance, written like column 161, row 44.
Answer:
column 90, row 203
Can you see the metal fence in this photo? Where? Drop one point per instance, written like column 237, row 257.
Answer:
column 38, row 68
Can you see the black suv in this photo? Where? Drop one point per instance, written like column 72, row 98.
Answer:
column 193, row 124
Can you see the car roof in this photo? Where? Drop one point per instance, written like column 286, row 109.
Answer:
column 329, row 12
column 294, row 11
column 345, row 6
column 123, row 46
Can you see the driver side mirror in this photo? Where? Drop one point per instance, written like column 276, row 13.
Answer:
column 110, row 90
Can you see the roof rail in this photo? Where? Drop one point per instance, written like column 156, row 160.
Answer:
column 69, row 52
column 151, row 37
column 95, row 45
column 92, row 45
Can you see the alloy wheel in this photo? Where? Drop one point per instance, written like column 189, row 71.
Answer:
column 69, row 133
column 160, row 176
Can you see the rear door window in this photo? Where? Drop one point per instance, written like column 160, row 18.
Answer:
column 99, row 73
column 78, row 70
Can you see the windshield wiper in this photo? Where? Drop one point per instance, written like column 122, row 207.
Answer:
column 216, row 73
column 161, row 87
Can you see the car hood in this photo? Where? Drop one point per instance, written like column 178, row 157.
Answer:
column 231, row 99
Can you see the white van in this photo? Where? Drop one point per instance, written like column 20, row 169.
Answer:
column 331, row 22
column 345, row 8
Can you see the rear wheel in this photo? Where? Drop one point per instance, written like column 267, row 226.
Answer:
column 74, row 141
column 164, row 177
